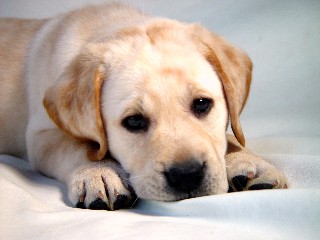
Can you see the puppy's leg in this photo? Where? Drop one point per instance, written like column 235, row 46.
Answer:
column 94, row 185
column 247, row 171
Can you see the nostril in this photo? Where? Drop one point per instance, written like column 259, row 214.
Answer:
column 185, row 177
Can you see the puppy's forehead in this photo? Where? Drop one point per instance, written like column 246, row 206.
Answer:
column 147, row 68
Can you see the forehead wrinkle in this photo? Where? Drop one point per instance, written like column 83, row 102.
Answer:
column 162, row 96
column 134, row 107
column 162, row 77
column 172, row 82
column 185, row 82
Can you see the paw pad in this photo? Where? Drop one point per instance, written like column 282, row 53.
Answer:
column 98, row 204
column 121, row 202
column 239, row 183
column 261, row 186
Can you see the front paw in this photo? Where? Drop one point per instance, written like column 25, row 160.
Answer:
column 249, row 172
column 100, row 185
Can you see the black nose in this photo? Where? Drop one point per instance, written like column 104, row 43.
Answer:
column 185, row 177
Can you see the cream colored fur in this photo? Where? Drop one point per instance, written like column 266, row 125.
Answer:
column 62, row 103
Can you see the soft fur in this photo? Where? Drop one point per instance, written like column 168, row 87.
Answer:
column 68, row 83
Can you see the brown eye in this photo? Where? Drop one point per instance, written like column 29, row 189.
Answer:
column 136, row 123
column 201, row 106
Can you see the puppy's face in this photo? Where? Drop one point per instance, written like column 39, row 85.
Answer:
column 156, row 97
column 166, row 116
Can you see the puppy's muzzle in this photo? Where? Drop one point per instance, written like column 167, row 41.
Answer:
column 185, row 177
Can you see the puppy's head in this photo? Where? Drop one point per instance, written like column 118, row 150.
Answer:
column 168, row 92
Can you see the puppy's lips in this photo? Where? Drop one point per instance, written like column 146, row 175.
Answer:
column 167, row 194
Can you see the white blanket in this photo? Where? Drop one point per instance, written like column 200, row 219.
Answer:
column 281, row 123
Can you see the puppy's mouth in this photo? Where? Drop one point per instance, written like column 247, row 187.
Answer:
column 180, row 181
column 168, row 194
column 192, row 194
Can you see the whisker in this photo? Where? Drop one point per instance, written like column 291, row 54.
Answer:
column 137, row 198
column 134, row 202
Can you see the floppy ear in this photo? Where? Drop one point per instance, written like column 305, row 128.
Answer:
column 234, row 69
column 73, row 103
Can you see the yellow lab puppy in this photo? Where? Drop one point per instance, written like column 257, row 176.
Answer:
column 116, row 104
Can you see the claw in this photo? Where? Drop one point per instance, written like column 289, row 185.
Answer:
column 250, row 175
